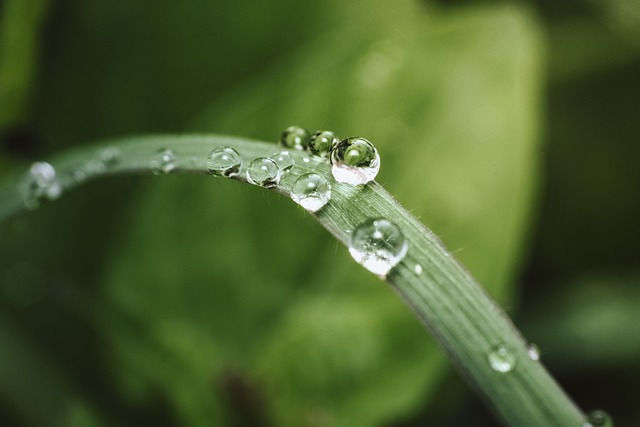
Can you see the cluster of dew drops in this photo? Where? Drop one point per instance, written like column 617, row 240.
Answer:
column 377, row 243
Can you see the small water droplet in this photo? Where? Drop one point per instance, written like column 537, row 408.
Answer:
column 306, row 159
column 355, row 161
column 224, row 161
column 311, row 191
column 322, row 142
column 501, row 359
column 379, row 245
column 417, row 269
column 284, row 160
column 40, row 183
column 599, row 418
column 534, row 352
column 110, row 156
column 295, row 137
column 264, row 172
column 164, row 161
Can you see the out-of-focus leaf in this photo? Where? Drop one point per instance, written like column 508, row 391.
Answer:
column 20, row 22
column 591, row 324
column 215, row 279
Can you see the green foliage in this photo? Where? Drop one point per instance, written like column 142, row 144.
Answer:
column 188, row 302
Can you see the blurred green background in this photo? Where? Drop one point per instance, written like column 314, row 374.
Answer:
column 511, row 129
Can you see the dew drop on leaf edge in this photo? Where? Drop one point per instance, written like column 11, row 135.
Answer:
column 322, row 142
column 501, row 359
column 264, row 172
column 164, row 161
column 355, row 161
column 534, row 352
column 311, row 191
column 598, row 418
column 378, row 245
column 295, row 137
column 284, row 160
column 224, row 161
column 41, row 182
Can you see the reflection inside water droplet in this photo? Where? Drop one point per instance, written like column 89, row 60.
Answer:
column 311, row 191
column 501, row 359
column 379, row 245
column 295, row 137
column 322, row 142
column 355, row 161
column 264, row 172
column 164, row 161
column 224, row 161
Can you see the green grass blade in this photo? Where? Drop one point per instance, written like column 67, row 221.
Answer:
column 444, row 296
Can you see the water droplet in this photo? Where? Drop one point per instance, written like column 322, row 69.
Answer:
column 599, row 418
column 224, row 161
column 379, row 245
column 306, row 159
column 264, row 172
column 164, row 161
column 322, row 142
column 311, row 191
column 295, row 137
column 354, row 161
column 41, row 183
column 284, row 160
column 110, row 156
column 501, row 359
column 417, row 269
column 534, row 352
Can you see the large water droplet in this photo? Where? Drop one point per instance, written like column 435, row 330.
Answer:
column 164, row 161
column 599, row 418
column 379, row 245
column 295, row 137
column 322, row 142
column 534, row 352
column 311, row 191
column 354, row 161
column 264, row 172
column 501, row 359
column 41, row 182
column 224, row 161
column 284, row 160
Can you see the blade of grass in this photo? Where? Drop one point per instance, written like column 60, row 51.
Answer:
column 448, row 301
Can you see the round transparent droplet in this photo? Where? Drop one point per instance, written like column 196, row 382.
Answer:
column 379, row 245
column 599, row 418
column 295, row 137
column 534, row 352
column 224, row 161
column 264, row 172
column 417, row 269
column 164, row 161
column 311, row 191
column 501, row 359
column 355, row 161
column 322, row 142
column 284, row 160
column 110, row 156
column 41, row 182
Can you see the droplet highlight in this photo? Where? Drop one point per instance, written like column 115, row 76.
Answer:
column 501, row 359
column 263, row 172
column 417, row 269
column 110, row 156
column 41, row 182
column 599, row 418
column 378, row 245
column 311, row 191
column 164, row 161
column 284, row 160
column 224, row 161
column 295, row 137
column 322, row 142
column 534, row 352
column 355, row 161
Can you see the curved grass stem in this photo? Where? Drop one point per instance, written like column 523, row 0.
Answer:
column 468, row 325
